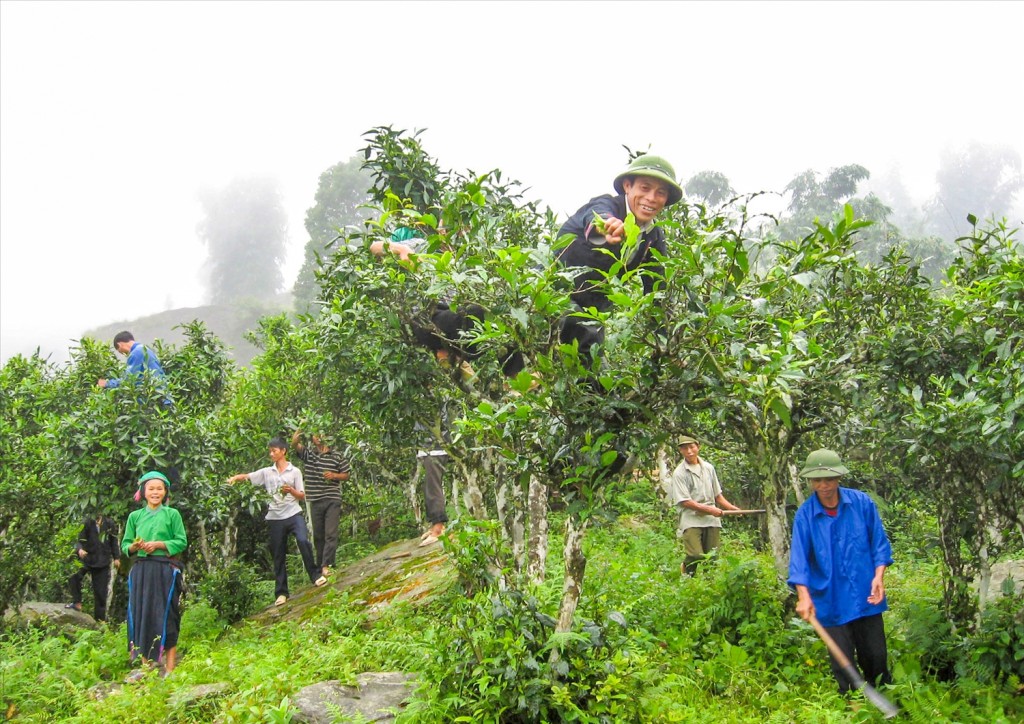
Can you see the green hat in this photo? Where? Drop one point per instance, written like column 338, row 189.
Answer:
column 655, row 167
column 823, row 464
column 157, row 475
column 687, row 440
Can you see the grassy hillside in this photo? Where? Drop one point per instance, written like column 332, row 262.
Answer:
column 650, row 646
column 228, row 323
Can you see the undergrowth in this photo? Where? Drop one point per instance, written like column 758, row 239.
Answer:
column 648, row 645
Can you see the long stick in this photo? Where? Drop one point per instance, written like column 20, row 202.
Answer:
column 742, row 512
column 885, row 706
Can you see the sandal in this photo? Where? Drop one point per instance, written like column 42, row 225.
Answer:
column 322, row 580
column 74, row 606
column 280, row 600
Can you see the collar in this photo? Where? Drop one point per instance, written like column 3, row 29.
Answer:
column 820, row 509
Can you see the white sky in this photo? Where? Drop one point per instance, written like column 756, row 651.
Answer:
column 114, row 115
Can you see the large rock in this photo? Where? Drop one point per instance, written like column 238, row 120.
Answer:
column 400, row 572
column 49, row 615
column 1000, row 572
column 196, row 698
column 374, row 698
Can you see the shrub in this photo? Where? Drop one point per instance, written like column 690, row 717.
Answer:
column 233, row 591
column 995, row 652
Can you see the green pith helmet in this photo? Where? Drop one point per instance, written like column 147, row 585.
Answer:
column 687, row 440
column 655, row 167
column 823, row 464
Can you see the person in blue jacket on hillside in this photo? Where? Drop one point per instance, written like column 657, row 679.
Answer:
column 837, row 566
column 141, row 360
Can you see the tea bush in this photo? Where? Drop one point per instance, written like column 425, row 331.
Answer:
column 234, row 591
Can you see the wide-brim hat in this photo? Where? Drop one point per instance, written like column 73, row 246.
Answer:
column 823, row 464
column 655, row 167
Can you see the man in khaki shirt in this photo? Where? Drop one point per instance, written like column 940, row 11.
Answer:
column 695, row 489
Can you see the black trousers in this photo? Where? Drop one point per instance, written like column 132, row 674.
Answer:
column 325, row 515
column 863, row 642
column 100, row 581
column 433, row 487
column 279, row 531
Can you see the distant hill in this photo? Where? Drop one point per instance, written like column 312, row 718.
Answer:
column 228, row 323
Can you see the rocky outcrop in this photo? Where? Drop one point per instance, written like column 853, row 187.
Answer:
column 1000, row 572
column 400, row 572
column 374, row 698
column 49, row 615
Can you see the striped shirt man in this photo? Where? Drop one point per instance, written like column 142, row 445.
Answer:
column 315, row 464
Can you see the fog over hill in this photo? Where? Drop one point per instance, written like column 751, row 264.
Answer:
column 110, row 134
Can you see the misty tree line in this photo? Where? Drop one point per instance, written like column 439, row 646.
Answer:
column 768, row 341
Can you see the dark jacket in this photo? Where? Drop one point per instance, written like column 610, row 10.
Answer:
column 589, row 249
column 99, row 542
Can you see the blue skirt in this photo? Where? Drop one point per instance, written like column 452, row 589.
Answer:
column 154, row 615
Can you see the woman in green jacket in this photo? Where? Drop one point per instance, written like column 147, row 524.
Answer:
column 154, row 536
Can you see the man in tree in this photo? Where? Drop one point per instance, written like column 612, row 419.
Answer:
column 441, row 331
column 96, row 547
column 644, row 189
column 283, row 481
column 325, row 469
column 694, row 487
column 141, row 359
column 837, row 565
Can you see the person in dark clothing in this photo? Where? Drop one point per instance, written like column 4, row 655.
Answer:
column 440, row 328
column 96, row 547
column 324, row 470
column 644, row 189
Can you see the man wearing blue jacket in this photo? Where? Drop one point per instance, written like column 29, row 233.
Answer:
column 837, row 566
column 140, row 359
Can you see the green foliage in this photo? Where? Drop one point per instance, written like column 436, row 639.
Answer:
column 231, row 590
column 501, row 665
column 995, row 651
column 200, row 623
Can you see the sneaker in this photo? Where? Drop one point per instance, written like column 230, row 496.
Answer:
column 280, row 600
column 321, row 581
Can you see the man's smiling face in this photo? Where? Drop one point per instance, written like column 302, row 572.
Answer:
column 646, row 197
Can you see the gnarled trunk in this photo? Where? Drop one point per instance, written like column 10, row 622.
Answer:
column 664, row 489
column 509, row 502
column 537, row 543
column 575, row 567
column 473, row 497
column 412, row 492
